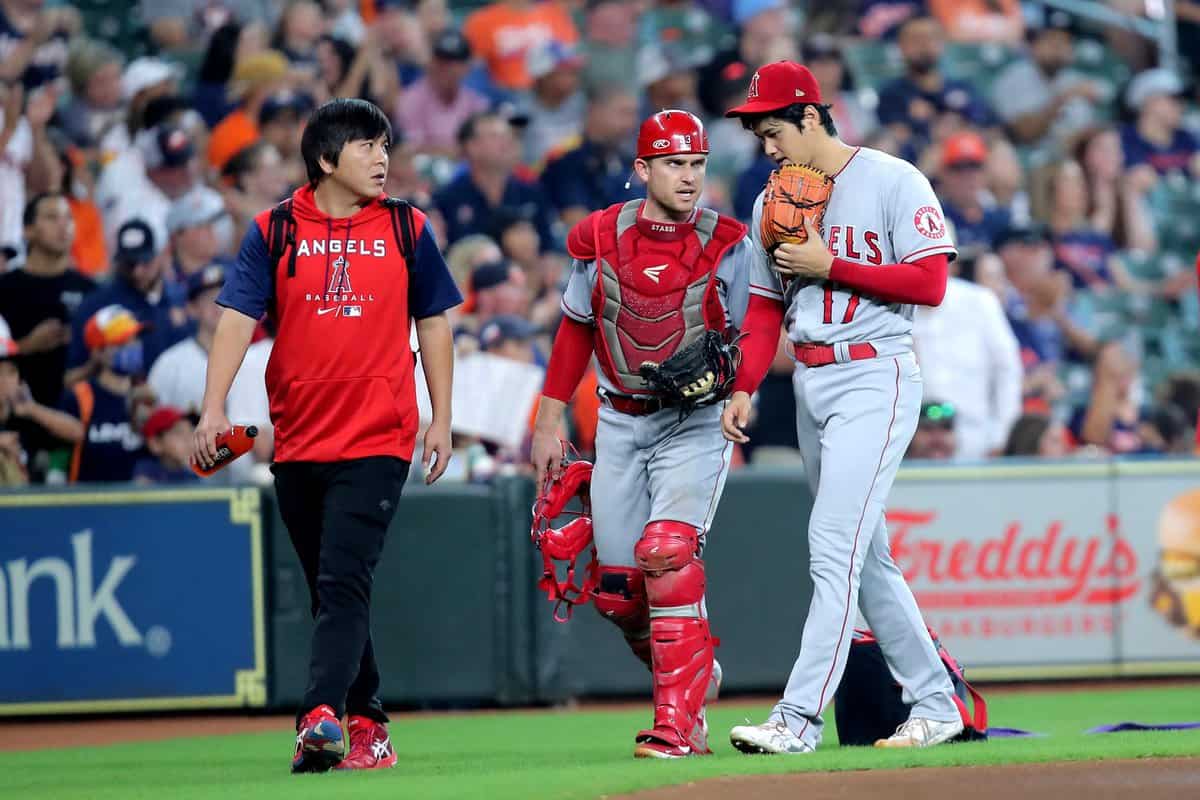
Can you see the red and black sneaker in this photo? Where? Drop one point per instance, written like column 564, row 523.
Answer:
column 319, row 741
column 370, row 745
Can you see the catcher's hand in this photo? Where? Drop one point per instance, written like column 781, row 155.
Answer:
column 699, row 374
column 795, row 196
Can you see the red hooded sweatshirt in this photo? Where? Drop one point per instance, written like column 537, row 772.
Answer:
column 340, row 378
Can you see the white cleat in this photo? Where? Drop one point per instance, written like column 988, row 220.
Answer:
column 770, row 738
column 917, row 732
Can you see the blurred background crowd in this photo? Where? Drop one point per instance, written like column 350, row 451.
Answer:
column 138, row 140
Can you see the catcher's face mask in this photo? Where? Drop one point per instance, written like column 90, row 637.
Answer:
column 567, row 543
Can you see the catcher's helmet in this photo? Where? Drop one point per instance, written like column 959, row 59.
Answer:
column 672, row 132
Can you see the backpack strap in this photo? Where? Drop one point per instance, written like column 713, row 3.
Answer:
column 977, row 720
column 86, row 398
column 402, row 228
column 281, row 235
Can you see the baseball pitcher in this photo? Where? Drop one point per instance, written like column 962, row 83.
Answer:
column 659, row 291
column 857, row 238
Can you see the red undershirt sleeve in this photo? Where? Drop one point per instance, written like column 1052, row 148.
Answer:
column 921, row 282
column 568, row 359
column 761, row 327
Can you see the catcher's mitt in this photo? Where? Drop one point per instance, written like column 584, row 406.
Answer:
column 794, row 194
column 698, row 375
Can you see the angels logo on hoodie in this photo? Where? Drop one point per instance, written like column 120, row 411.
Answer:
column 339, row 282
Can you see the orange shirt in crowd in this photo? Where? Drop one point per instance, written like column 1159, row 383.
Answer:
column 232, row 134
column 501, row 35
column 981, row 20
column 88, row 251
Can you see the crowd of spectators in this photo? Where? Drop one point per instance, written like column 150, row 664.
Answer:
column 138, row 145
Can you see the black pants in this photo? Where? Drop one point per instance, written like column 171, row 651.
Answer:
column 337, row 515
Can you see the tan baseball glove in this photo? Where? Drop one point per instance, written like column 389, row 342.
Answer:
column 794, row 194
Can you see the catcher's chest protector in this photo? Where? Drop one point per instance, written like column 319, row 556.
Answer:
column 656, row 291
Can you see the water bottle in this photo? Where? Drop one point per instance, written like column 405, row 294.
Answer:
column 230, row 444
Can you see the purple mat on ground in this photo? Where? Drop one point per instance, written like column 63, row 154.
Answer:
column 1139, row 726
column 1011, row 733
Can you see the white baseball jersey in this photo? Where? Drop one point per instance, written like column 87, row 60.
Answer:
column 882, row 211
column 744, row 270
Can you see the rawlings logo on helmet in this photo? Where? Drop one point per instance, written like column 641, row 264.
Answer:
column 661, row 144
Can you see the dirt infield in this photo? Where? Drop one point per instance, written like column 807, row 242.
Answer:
column 1149, row 779
column 90, row 732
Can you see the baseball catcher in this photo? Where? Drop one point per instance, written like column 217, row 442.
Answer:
column 659, row 291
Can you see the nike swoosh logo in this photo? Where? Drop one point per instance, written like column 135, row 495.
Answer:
column 323, row 311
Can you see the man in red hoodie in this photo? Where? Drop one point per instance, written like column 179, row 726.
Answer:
column 648, row 279
column 344, row 272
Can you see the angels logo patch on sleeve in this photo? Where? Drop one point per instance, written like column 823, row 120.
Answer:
column 929, row 222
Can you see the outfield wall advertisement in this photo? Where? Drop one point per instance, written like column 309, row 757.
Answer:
column 1056, row 570
column 129, row 600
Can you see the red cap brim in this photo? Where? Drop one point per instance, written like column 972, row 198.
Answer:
column 756, row 107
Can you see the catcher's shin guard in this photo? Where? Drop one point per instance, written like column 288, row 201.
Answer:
column 679, row 636
column 621, row 599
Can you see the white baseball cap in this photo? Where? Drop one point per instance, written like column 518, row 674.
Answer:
column 200, row 206
column 142, row 73
column 1150, row 83
column 550, row 55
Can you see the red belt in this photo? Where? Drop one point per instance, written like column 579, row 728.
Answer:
column 635, row 406
column 819, row 355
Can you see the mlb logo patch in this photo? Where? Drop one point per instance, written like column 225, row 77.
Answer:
column 351, row 311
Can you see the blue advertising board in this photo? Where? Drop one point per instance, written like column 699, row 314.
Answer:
column 131, row 600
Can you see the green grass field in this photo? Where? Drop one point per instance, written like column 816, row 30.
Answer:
column 574, row 754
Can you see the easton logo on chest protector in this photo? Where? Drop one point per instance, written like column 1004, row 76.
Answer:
column 653, row 272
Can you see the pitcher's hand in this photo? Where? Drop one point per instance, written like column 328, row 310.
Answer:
column 735, row 418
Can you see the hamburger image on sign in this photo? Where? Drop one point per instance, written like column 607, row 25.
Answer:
column 1176, row 592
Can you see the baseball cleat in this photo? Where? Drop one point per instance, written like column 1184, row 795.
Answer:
column 917, row 732
column 656, row 749
column 319, row 742
column 370, row 745
column 770, row 738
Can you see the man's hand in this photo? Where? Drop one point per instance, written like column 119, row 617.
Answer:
column 1085, row 90
column 40, row 107
column 546, row 453
column 47, row 335
column 22, row 402
column 10, row 446
column 437, row 443
column 810, row 259
column 213, row 423
column 735, row 417
column 1140, row 179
